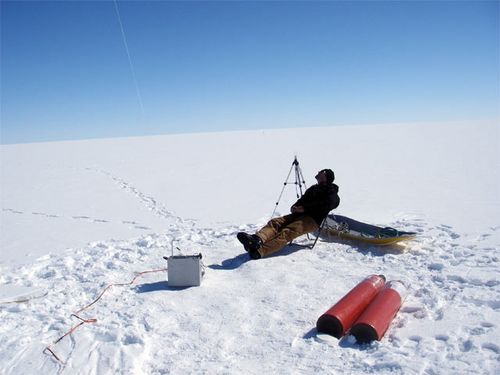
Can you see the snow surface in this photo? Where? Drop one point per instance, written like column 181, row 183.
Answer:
column 77, row 216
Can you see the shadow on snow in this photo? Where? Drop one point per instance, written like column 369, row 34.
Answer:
column 158, row 286
column 239, row 260
column 344, row 342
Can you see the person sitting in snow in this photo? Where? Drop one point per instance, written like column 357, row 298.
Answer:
column 306, row 216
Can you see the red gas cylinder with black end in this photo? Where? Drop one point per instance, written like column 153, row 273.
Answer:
column 339, row 318
column 377, row 317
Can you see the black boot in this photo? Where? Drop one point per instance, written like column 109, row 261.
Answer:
column 251, row 243
column 254, row 254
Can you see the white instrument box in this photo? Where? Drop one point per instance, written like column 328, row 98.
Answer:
column 185, row 270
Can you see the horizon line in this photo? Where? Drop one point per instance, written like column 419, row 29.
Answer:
column 180, row 133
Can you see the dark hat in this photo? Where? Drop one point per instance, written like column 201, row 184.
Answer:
column 330, row 176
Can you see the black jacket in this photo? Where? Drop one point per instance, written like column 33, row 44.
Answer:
column 318, row 200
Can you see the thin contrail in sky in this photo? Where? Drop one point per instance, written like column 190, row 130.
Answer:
column 139, row 97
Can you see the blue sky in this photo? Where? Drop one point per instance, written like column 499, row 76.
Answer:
column 211, row 66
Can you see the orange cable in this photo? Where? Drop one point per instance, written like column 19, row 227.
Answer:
column 93, row 320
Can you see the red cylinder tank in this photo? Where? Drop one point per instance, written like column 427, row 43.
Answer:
column 377, row 317
column 339, row 318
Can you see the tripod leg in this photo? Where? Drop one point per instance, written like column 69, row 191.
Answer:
column 283, row 189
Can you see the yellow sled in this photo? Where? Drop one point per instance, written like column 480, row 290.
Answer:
column 347, row 228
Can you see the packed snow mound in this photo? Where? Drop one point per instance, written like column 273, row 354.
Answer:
column 78, row 216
